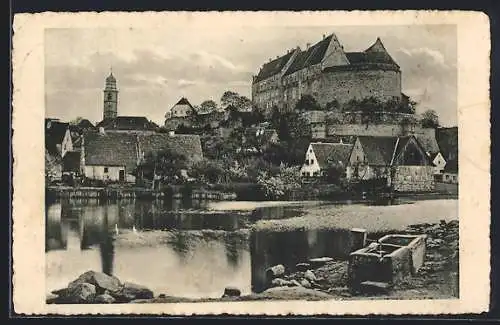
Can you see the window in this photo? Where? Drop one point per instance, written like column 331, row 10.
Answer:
column 105, row 169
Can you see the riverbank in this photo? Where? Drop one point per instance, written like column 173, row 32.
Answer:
column 313, row 280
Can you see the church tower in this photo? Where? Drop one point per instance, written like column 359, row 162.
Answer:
column 110, row 97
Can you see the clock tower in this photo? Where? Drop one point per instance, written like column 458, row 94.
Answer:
column 110, row 97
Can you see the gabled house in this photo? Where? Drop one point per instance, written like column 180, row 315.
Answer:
column 57, row 138
column 401, row 161
column 438, row 161
column 182, row 108
column 320, row 156
column 115, row 156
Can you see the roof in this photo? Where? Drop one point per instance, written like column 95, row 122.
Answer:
column 184, row 101
column 451, row 166
column 375, row 56
column 71, row 161
column 381, row 150
column 111, row 149
column 54, row 134
column 331, row 151
column 139, row 123
column 378, row 150
column 85, row 124
column 274, row 67
column 313, row 55
column 428, row 142
column 447, row 139
column 186, row 144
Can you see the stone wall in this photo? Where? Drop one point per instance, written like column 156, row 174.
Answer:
column 347, row 85
column 413, row 179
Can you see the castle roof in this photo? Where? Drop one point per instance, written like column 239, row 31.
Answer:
column 274, row 67
column 313, row 55
column 336, row 152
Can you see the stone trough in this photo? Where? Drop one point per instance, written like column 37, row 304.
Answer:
column 386, row 262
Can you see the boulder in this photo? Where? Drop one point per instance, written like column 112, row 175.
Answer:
column 305, row 283
column 374, row 287
column 275, row 271
column 78, row 294
column 162, row 295
column 302, row 267
column 279, row 282
column 101, row 281
column 131, row 291
column 295, row 283
column 320, row 261
column 231, row 292
column 310, row 276
column 104, row 299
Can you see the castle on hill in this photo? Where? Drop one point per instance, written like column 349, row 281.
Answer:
column 328, row 73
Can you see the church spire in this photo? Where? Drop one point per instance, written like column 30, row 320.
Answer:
column 110, row 97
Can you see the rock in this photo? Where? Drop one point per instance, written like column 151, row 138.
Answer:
column 302, row 266
column 305, row 283
column 279, row 282
column 78, row 294
column 162, row 295
column 374, row 287
column 105, row 299
column 231, row 292
column 132, row 291
column 320, row 261
column 60, row 292
column 309, row 275
column 293, row 293
column 101, row 281
column 275, row 271
column 295, row 283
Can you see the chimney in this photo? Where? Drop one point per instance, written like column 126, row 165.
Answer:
column 323, row 36
column 101, row 130
column 277, row 56
column 308, row 45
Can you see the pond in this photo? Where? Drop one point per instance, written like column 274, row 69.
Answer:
column 191, row 248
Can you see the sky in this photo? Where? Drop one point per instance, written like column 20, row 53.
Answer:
column 155, row 68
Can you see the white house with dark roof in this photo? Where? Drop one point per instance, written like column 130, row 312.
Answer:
column 115, row 156
column 320, row 156
column 182, row 108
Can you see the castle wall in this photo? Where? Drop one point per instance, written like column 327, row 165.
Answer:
column 347, row 85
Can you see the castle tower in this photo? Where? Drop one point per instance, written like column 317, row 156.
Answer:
column 110, row 97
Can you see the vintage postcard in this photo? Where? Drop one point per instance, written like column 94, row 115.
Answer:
column 277, row 163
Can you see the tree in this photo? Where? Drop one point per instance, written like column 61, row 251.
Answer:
column 429, row 119
column 307, row 103
column 282, row 184
column 230, row 98
column 333, row 105
column 211, row 171
column 208, row 106
column 164, row 165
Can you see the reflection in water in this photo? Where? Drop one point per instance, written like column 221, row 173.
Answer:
column 292, row 247
column 181, row 248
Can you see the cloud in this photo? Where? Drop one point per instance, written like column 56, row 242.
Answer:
column 426, row 53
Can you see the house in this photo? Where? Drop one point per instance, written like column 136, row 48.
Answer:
column 109, row 156
column 128, row 124
column 401, row 161
column 320, row 156
column 450, row 172
column 258, row 138
column 183, row 108
column 438, row 161
column 57, row 138
column 115, row 156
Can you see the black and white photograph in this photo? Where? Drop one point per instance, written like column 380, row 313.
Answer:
column 251, row 162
